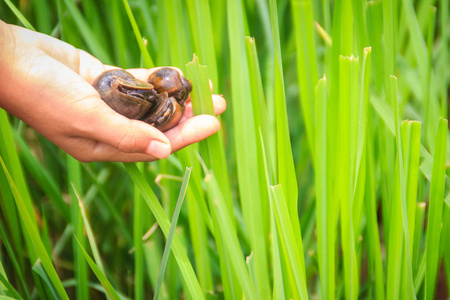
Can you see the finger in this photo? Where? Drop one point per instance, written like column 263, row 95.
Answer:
column 219, row 104
column 105, row 152
column 89, row 150
column 128, row 136
column 90, row 67
column 192, row 131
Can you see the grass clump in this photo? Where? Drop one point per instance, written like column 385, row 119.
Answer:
column 327, row 180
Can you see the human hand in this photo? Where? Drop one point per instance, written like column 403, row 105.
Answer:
column 47, row 84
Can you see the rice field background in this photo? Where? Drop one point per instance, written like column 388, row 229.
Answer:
column 327, row 180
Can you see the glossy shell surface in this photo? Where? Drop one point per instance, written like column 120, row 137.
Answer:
column 159, row 102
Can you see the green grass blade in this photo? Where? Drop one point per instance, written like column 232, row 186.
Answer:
column 19, row 15
column 144, row 52
column 417, row 39
column 435, row 210
column 89, row 233
column 9, row 287
column 374, row 253
column 374, row 23
column 202, row 32
column 245, row 139
column 14, row 261
column 401, row 186
column 360, row 25
column 302, row 14
column 42, row 176
column 278, row 287
column 137, row 242
column 34, row 234
column 359, row 153
column 38, row 269
column 348, row 75
column 411, row 149
column 214, row 153
column 285, row 161
column 170, row 236
column 221, row 214
column 178, row 34
column 101, row 277
column 292, row 249
column 444, row 17
column 386, row 114
column 199, row 219
column 87, row 34
column 177, row 248
column 418, row 234
column 259, row 207
column 75, row 181
column 324, row 236
column 202, row 104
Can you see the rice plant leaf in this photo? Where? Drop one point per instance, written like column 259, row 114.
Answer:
column 170, row 236
column 100, row 275
column 87, row 34
column 214, row 153
column 144, row 52
column 201, row 98
column 364, row 99
column 285, row 173
column 9, row 287
column 177, row 249
column 202, row 32
column 386, row 114
column 259, row 208
column 419, row 46
column 89, row 232
column 278, row 288
column 302, row 15
column 7, row 298
column 138, row 222
column 34, row 235
column 19, row 15
column 5, row 241
column 245, row 139
column 374, row 253
column 292, row 249
column 435, row 209
column 42, row 176
column 344, row 172
column 221, row 214
column 50, row 288
column 199, row 218
column 444, row 8
column 11, row 159
column 178, row 33
column 418, row 234
column 324, row 236
column 81, row 270
column 401, row 186
column 411, row 142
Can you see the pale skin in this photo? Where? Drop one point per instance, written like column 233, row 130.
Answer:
column 47, row 84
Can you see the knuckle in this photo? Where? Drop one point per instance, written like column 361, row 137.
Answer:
column 128, row 142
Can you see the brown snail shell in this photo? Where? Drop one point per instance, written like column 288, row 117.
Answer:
column 170, row 81
column 159, row 102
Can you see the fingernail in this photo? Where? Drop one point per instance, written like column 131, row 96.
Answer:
column 158, row 149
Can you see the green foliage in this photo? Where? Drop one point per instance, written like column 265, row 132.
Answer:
column 327, row 180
